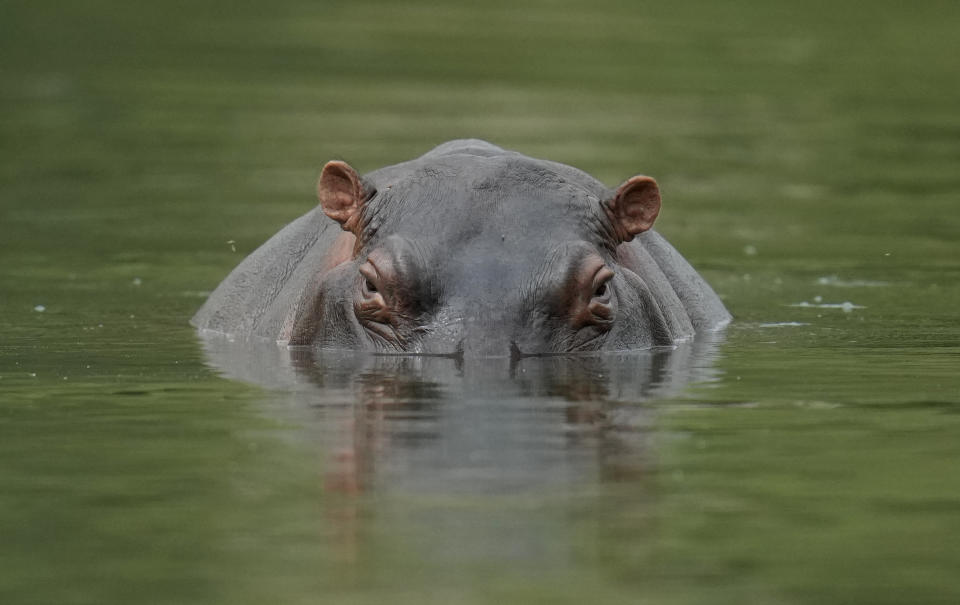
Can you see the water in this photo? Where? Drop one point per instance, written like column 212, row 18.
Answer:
column 807, row 154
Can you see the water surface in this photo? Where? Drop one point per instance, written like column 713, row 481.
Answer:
column 807, row 154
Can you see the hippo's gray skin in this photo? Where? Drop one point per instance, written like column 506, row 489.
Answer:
column 468, row 250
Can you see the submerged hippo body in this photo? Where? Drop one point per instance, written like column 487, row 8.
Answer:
column 468, row 250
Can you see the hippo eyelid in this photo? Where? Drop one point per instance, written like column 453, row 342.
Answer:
column 369, row 270
column 370, row 276
column 600, row 307
column 601, row 291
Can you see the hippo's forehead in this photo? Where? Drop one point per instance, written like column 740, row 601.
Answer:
column 485, row 206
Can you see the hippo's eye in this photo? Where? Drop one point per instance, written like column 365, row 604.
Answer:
column 601, row 288
column 599, row 310
column 591, row 306
column 369, row 277
column 371, row 307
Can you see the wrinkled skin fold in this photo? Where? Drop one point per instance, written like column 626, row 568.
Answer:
column 469, row 250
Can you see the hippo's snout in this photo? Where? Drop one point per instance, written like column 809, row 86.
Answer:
column 468, row 332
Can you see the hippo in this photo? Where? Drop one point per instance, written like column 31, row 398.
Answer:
column 470, row 250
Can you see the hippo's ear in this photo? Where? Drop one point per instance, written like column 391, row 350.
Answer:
column 634, row 207
column 340, row 192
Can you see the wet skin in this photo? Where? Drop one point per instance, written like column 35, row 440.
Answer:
column 469, row 250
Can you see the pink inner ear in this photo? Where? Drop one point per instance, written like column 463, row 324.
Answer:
column 636, row 205
column 339, row 191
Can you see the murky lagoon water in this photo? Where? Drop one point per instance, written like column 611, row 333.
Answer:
column 808, row 155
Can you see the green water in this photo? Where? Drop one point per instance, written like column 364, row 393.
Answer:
column 807, row 151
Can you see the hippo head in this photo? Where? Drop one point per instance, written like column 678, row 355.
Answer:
column 481, row 255
column 472, row 250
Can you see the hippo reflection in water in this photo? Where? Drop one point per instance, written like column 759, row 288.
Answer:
column 473, row 251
